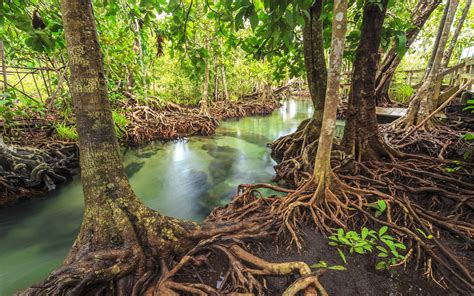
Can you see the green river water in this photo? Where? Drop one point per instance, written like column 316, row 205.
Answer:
column 185, row 179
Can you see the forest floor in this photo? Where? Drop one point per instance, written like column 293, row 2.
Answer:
column 422, row 197
column 55, row 160
column 359, row 277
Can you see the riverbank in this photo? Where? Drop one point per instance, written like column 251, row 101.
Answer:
column 181, row 179
column 145, row 123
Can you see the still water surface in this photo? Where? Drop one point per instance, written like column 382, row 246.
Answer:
column 185, row 179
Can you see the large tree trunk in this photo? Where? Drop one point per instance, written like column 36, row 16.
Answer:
column 322, row 164
column 315, row 64
column 392, row 59
column 293, row 145
column 422, row 103
column 120, row 239
column 361, row 137
column 454, row 38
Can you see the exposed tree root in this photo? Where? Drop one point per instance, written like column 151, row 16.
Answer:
column 148, row 123
column 27, row 172
column 436, row 140
column 420, row 197
column 222, row 110
column 154, row 263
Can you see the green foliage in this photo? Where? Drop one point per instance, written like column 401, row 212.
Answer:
column 469, row 138
column 469, row 106
column 324, row 264
column 120, row 123
column 367, row 241
column 7, row 103
column 66, row 132
column 380, row 206
column 401, row 92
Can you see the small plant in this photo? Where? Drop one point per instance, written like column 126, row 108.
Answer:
column 324, row 264
column 427, row 236
column 120, row 123
column 469, row 106
column 65, row 132
column 402, row 93
column 368, row 241
column 380, row 206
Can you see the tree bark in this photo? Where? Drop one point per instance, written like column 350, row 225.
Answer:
column 361, row 137
column 322, row 165
column 454, row 39
column 4, row 66
column 392, row 59
column 216, row 81
column 205, row 85
column 120, row 238
column 437, row 40
column 224, row 83
column 422, row 103
column 315, row 64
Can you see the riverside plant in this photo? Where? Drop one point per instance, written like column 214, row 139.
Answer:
column 367, row 242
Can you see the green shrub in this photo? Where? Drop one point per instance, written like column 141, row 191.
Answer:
column 120, row 123
column 402, row 93
column 65, row 132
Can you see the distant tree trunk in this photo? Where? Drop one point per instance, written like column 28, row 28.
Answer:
column 205, row 86
column 216, row 81
column 224, row 83
column 392, row 59
column 315, row 64
column 437, row 40
column 422, row 103
column 322, row 165
column 223, row 74
column 120, row 239
column 361, row 137
column 4, row 66
column 454, row 38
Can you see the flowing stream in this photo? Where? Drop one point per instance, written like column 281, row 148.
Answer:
column 183, row 179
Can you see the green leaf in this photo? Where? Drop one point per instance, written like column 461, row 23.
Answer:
column 382, row 249
column 320, row 264
column 382, row 230
column 400, row 246
column 382, row 205
column 364, row 233
column 342, row 255
column 383, row 255
column 340, row 232
column 337, row 267
column 401, row 43
column 381, row 265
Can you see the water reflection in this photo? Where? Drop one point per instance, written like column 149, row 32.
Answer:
column 185, row 179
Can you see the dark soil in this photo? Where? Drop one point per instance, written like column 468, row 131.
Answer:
column 360, row 278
